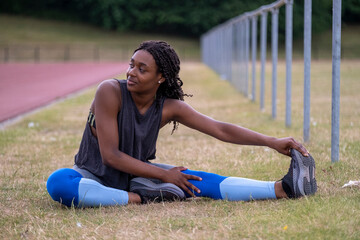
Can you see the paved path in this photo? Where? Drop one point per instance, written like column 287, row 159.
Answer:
column 25, row 87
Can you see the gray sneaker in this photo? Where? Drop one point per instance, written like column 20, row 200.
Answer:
column 301, row 175
column 155, row 192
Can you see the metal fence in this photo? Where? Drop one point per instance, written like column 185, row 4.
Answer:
column 79, row 52
column 60, row 52
column 226, row 49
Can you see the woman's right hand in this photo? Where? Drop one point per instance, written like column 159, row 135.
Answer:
column 175, row 176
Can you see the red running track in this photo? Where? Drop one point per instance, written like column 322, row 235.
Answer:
column 27, row 86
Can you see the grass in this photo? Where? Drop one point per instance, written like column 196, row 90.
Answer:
column 29, row 155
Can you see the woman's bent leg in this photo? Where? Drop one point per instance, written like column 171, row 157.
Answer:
column 68, row 187
column 232, row 188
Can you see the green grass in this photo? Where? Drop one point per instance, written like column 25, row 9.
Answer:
column 29, row 155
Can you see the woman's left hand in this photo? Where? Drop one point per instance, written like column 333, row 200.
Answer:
column 283, row 145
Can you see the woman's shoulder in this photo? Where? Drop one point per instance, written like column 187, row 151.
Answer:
column 108, row 91
column 170, row 102
column 174, row 106
column 109, row 84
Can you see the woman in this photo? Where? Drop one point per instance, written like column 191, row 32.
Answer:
column 112, row 166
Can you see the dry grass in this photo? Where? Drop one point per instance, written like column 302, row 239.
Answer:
column 29, row 155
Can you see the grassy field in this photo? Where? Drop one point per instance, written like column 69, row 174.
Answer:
column 47, row 140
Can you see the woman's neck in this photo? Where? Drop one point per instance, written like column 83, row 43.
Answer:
column 143, row 101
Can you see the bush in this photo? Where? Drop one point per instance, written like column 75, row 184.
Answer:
column 186, row 17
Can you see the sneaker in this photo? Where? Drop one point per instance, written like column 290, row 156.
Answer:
column 300, row 179
column 155, row 192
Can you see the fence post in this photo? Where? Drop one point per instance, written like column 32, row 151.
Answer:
column 234, row 44
column 67, row 53
column 223, row 53
column 274, row 50
column 229, row 53
column 240, row 53
column 242, row 57
column 37, row 54
column 247, row 43
column 235, row 55
column 217, row 52
column 253, row 52
column 96, row 53
column 6, row 54
column 307, row 68
column 288, row 46
column 263, row 57
column 336, row 55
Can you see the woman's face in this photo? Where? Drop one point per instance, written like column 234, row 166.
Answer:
column 142, row 74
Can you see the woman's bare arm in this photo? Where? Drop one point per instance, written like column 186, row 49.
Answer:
column 185, row 114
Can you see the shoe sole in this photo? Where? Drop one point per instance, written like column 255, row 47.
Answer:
column 164, row 191
column 303, row 174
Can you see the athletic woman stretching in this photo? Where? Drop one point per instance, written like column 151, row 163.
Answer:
column 112, row 166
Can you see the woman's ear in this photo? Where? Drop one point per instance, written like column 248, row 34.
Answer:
column 161, row 79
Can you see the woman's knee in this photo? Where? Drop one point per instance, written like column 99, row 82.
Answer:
column 210, row 184
column 63, row 185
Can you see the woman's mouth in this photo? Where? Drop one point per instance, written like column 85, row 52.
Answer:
column 130, row 82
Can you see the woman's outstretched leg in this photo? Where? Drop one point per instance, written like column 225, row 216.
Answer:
column 232, row 188
column 299, row 181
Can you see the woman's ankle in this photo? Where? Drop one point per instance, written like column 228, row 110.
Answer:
column 279, row 191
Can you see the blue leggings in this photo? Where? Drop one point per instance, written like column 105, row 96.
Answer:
column 69, row 187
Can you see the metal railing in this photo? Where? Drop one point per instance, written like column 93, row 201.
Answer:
column 57, row 52
column 226, row 49
column 61, row 53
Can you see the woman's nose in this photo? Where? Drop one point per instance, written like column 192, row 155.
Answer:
column 131, row 71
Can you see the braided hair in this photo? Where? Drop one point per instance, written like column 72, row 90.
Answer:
column 168, row 64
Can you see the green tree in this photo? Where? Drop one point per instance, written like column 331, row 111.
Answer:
column 186, row 17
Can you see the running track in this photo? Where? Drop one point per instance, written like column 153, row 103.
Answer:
column 27, row 86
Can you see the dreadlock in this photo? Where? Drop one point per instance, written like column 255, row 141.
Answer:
column 168, row 64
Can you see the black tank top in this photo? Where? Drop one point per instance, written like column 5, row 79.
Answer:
column 137, row 137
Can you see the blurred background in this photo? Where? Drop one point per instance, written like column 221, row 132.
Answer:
column 109, row 30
